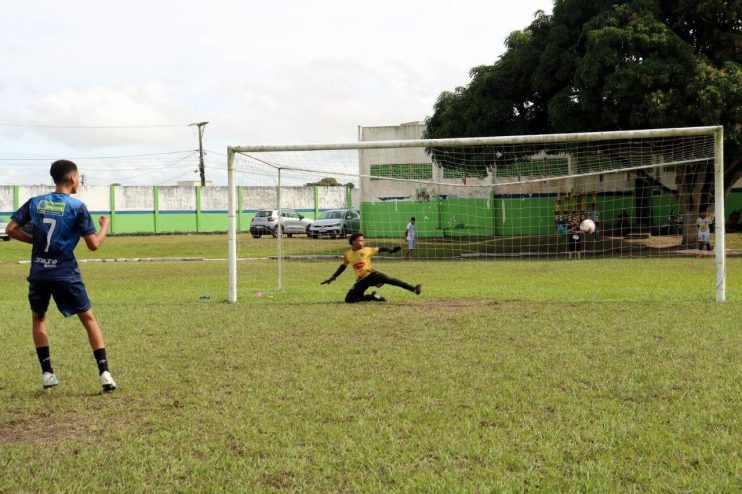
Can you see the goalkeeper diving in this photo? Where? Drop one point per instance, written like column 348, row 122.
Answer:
column 359, row 257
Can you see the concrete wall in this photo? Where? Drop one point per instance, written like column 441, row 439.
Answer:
column 184, row 209
column 468, row 187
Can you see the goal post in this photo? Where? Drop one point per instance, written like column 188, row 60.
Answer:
column 489, row 195
column 721, row 279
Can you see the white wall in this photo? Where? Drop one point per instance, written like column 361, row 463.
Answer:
column 135, row 198
column 174, row 198
column 374, row 190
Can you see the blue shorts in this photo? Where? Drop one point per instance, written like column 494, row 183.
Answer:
column 70, row 296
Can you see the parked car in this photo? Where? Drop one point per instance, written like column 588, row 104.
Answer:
column 336, row 223
column 3, row 235
column 265, row 222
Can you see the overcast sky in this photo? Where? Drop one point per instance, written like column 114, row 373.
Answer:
column 267, row 72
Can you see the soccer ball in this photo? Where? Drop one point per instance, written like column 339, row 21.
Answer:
column 587, row 226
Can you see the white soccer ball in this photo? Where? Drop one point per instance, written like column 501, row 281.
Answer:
column 587, row 226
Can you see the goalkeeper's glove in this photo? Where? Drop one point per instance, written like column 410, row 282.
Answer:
column 328, row 280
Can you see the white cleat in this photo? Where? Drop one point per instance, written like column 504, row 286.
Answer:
column 106, row 380
column 49, row 380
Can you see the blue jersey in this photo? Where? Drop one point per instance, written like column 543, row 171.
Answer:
column 58, row 223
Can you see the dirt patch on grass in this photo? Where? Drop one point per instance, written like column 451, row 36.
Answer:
column 50, row 427
column 457, row 302
column 656, row 242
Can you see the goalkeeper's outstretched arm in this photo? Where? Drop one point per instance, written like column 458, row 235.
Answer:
column 334, row 275
column 390, row 250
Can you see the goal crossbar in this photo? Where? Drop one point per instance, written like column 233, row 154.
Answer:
column 487, row 141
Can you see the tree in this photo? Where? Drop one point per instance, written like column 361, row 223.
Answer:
column 327, row 181
column 606, row 65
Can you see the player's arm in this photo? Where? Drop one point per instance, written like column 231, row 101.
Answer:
column 95, row 240
column 390, row 250
column 15, row 231
column 334, row 276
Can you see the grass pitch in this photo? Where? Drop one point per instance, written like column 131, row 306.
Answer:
column 604, row 376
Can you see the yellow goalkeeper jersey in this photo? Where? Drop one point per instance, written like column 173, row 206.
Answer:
column 360, row 260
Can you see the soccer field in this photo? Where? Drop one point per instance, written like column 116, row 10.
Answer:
column 594, row 375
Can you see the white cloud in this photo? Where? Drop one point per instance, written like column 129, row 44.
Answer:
column 149, row 104
column 259, row 72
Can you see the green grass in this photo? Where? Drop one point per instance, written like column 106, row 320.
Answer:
column 214, row 246
column 599, row 376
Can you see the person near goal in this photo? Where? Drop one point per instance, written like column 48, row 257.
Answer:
column 359, row 257
column 59, row 221
column 704, row 231
column 574, row 238
column 410, row 235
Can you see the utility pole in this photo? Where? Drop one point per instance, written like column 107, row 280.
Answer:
column 201, row 167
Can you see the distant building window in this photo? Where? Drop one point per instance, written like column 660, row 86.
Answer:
column 411, row 171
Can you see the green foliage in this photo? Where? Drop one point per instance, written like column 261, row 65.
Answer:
column 606, row 65
column 327, row 181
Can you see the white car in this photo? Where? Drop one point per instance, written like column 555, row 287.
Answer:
column 3, row 235
column 265, row 222
column 336, row 223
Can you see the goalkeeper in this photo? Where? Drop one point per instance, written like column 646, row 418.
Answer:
column 359, row 257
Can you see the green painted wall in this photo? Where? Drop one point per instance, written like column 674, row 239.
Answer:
column 466, row 217
column 610, row 208
column 389, row 219
column 129, row 223
column 144, row 222
column 501, row 216
column 732, row 202
column 214, row 222
column 524, row 216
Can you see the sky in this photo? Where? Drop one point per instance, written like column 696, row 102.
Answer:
column 114, row 86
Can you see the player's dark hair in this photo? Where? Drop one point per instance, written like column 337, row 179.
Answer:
column 61, row 169
column 412, row 219
column 353, row 237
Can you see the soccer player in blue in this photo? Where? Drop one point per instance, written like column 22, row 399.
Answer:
column 59, row 221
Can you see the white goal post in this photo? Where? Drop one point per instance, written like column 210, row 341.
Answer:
column 712, row 134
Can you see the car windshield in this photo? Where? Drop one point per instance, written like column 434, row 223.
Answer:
column 331, row 215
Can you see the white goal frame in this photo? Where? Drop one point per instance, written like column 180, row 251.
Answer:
column 716, row 131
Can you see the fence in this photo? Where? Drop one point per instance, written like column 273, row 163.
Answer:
column 177, row 209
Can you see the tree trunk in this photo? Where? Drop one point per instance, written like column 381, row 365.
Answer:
column 695, row 184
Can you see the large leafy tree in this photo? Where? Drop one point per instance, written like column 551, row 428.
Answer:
column 595, row 65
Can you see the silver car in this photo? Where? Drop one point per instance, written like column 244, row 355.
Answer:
column 336, row 223
column 265, row 222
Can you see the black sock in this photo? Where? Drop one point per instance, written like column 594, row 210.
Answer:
column 100, row 358
column 44, row 359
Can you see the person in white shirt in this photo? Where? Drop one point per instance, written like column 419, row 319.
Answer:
column 410, row 236
column 704, row 231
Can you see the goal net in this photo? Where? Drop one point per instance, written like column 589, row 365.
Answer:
column 651, row 193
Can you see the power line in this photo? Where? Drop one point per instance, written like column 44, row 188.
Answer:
column 159, row 170
column 100, row 157
column 164, row 163
column 46, row 126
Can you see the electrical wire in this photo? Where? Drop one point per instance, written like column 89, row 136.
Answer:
column 101, row 157
column 46, row 126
